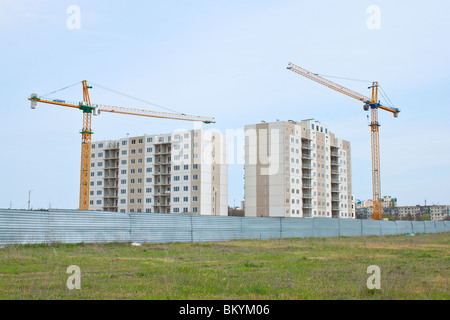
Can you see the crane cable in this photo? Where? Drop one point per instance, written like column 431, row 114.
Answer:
column 385, row 96
column 61, row 89
column 351, row 79
column 138, row 99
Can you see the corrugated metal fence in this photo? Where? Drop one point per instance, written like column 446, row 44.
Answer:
column 69, row 226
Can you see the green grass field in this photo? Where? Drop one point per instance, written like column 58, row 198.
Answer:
column 412, row 267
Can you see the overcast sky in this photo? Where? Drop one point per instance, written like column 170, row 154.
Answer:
column 226, row 59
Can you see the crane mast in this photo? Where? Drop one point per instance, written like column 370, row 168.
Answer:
column 86, row 132
column 371, row 103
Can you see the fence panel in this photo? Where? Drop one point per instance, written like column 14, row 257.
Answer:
column 387, row 228
column 216, row 228
column 297, row 228
column 403, row 227
column 261, row 228
column 89, row 227
column 447, row 226
column 440, row 226
column 161, row 227
column 325, row 227
column 350, row 227
column 23, row 227
column 430, row 227
column 371, row 228
column 418, row 226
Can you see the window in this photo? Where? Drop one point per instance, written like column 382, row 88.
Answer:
column 124, row 143
column 194, row 209
column 99, row 201
column 186, row 178
column 194, row 188
column 149, row 139
column 100, row 154
column 149, row 159
column 195, row 177
column 176, row 199
column 186, row 167
column 99, row 183
column 185, row 188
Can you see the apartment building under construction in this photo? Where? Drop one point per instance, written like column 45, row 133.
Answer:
column 181, row 172
column 297, row 169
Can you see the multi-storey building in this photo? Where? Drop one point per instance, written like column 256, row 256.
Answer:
column 434, row 212
column 181, row 172
column 297, row 169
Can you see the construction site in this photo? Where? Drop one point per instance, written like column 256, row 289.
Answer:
column 172, row 151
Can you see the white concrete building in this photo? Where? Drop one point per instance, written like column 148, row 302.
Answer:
column 297, row 169
column 181, row 172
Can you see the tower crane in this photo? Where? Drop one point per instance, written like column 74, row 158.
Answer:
column 371, row 103
column 88, row 110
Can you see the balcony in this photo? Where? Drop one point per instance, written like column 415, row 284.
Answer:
column 306, row 186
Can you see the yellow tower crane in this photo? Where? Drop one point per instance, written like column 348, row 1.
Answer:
column 88, row 109
column 369, row 103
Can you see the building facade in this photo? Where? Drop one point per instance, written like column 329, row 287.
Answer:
column 297, row 169
column 181, row 172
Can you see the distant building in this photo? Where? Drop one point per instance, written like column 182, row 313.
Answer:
column 418, row 212
column 388, row 202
